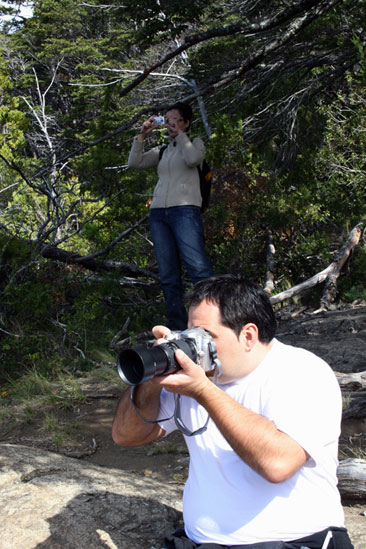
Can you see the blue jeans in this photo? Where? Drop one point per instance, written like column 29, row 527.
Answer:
column 178, row 232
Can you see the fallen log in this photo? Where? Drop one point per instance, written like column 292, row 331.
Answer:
column 352, row 382
column 91, row 262
column 301, row 288
column 351, row 475
column 329, row 274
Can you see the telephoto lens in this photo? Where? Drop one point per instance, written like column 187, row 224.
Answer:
column 142, row 363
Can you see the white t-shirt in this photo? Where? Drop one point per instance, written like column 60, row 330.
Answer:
column 227, row 502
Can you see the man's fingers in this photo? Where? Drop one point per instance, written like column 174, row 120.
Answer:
column 183, row 359
column 160, row 331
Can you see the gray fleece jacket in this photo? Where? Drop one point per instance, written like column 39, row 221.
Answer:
column 178, row 183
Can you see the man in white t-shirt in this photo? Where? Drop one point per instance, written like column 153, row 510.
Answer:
column 264, row 426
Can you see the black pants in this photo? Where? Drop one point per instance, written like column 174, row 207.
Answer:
column 339, row 540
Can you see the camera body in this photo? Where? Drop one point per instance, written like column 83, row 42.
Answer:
column 204, row 345
column 138, row 365
column 159, row 120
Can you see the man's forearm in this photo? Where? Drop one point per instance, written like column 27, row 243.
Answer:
column 129, row 429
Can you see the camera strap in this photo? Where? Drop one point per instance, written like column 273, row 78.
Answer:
column 132, row 393
column 178, row 420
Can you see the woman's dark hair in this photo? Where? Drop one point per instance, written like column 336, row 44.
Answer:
column 240, row 301
column 184, row 110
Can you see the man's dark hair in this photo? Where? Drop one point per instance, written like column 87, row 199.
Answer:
column 240, row 301
column 184, row 110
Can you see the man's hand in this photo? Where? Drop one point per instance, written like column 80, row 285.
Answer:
column 160, row 332
column 191, row 380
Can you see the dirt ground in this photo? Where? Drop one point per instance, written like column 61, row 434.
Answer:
column 166, row 460
column 84, row 432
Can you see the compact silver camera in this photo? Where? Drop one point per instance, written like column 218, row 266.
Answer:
column 159, row 121
column 138, row 365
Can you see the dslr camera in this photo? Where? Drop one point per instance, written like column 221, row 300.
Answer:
column 142, row 363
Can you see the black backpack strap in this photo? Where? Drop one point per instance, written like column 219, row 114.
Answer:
column 161, row 151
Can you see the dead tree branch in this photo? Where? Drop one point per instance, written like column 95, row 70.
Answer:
column 329, row 274
column 89, row 262
column 341, row 259
column 269, row 283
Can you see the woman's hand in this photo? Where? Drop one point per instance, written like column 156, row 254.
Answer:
column 146, row 128
column 175, row 127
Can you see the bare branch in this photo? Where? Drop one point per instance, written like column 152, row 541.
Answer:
column 102, row 6
column 117, row 240
column 339, row 262
column 330, row 273
column 269, row 282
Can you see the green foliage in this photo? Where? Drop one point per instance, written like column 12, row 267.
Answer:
column 247, row 201
column 227, row 144
column 284, row 160
column 352, row 286
column 56, row 322
column 13, row 125
column 340, row 165
column 156, row 21
column 239, row 221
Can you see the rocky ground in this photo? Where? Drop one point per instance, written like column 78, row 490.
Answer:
column 337, row 336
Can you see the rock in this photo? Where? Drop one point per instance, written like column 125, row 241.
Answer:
column 338, row 337
column 51, row 501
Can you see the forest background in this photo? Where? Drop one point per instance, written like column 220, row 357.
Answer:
column 278, row 90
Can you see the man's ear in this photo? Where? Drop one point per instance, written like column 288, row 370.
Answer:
column 249, row 336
